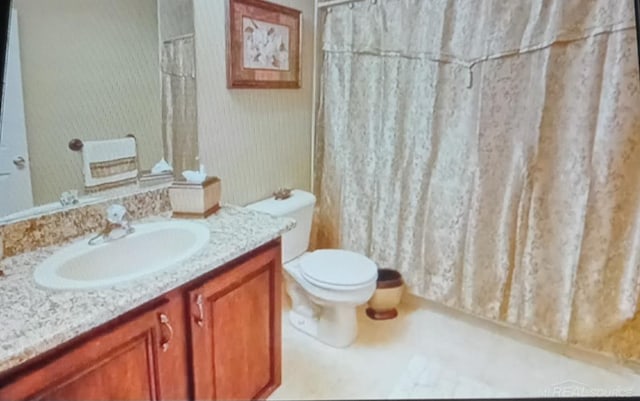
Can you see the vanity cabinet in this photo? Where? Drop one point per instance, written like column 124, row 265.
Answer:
column 132, row 361
column 217, row 337
column 235, row 331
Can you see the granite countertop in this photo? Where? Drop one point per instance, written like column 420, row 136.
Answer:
column 34, row 319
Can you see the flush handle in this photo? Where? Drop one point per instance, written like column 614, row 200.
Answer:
column 19, row 162
column 199, row 303
column 164, row 320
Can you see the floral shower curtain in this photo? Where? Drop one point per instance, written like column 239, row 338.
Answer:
column 179, row 122
column 490, row 151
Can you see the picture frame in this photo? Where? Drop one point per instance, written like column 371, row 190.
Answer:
column 264, row 42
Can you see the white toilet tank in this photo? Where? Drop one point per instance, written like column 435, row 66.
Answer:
column 298, row 206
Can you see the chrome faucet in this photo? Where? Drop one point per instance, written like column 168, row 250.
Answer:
column 117, row 219
column 69, row 198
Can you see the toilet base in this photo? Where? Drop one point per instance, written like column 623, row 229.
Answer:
column 306, row 324
column 336, row 326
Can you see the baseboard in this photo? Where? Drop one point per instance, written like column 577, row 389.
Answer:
column 592, row 357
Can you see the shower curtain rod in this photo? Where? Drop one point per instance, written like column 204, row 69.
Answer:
column 330, row 3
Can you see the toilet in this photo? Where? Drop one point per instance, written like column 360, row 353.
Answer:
column 325, row 285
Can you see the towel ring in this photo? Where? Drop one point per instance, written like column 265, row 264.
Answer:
column 76, row 144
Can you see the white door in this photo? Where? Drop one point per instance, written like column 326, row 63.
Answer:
column 15, row 174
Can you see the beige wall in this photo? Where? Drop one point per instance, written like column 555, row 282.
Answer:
column 175, row 18
column 254, row 140
column 90, row 70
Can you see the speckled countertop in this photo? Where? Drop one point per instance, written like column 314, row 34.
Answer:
column 35, row 319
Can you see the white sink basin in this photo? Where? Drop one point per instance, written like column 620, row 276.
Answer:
column 150, row 249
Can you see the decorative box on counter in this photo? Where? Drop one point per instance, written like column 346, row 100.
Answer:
column 196, row 201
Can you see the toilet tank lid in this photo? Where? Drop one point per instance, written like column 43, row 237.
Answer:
column 299, row 199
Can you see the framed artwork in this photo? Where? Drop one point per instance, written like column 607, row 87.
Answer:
column 263, row 45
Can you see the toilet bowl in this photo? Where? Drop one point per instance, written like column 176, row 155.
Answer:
column 326, row 285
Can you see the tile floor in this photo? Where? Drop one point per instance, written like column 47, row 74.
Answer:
column 430, row 353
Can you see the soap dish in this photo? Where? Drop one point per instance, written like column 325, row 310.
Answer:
column 195, row 200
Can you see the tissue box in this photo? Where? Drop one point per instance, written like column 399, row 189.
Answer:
column 196, row 201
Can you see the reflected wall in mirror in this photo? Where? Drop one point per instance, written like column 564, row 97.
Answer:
column 95, row 70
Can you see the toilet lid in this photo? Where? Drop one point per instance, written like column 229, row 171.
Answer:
column 336, row 267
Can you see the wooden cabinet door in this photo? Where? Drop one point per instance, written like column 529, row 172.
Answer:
column 236, row 332
column 132, row 361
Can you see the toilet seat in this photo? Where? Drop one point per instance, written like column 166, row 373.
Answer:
column 338, row 269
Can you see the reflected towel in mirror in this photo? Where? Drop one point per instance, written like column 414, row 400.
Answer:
column 109, row 164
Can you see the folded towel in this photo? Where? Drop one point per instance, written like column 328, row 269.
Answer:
column 108, row 164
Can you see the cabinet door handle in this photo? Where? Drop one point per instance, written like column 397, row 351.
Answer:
column 200, row 318
column 164, row 320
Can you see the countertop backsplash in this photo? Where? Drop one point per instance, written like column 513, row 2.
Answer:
column 63, row 225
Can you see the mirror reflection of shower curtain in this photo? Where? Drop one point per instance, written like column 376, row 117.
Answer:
column 179, row 110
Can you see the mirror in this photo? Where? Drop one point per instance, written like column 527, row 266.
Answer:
column 92, row 70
